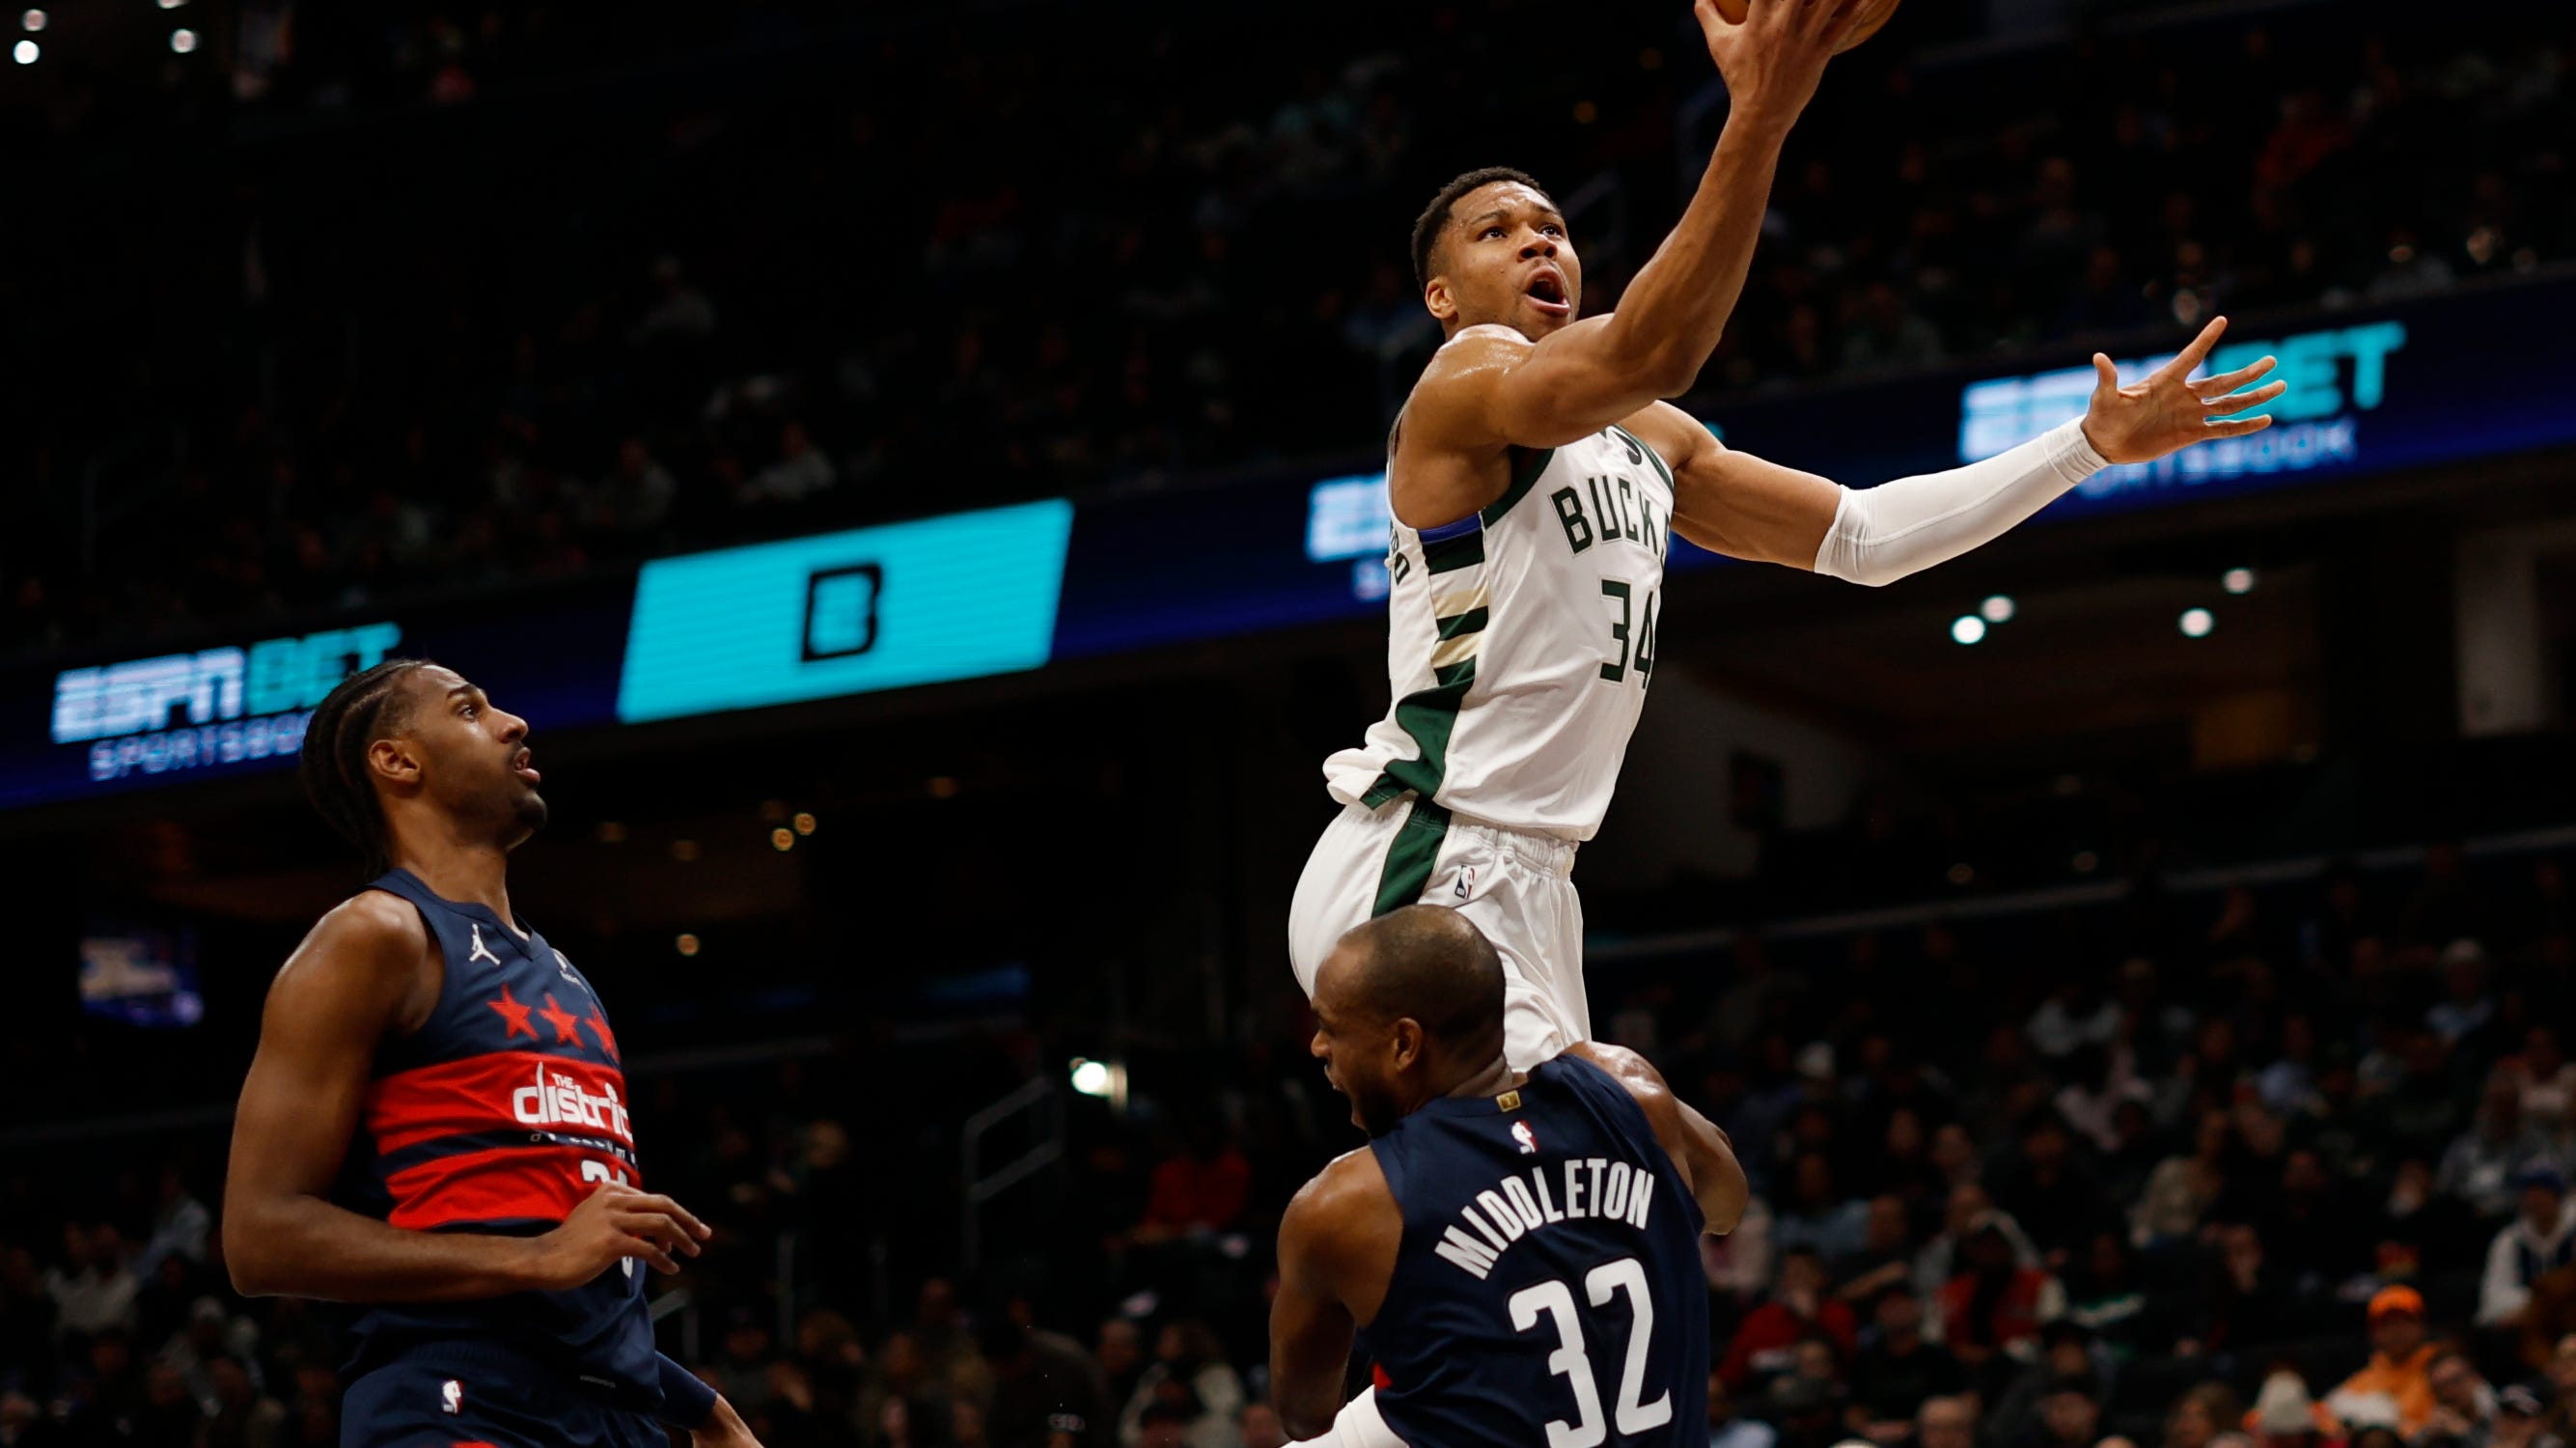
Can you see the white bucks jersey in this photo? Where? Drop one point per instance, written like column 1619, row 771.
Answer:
column 1520, row 641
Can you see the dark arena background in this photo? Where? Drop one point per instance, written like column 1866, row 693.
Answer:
column 918, row 467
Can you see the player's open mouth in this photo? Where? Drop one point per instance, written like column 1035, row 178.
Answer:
column 1546, row 291
column 519, row 766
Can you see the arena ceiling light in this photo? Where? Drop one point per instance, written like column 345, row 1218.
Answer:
column 1998, row 608
column 32, row 21
column 183, row 40
column 2197, row 622
column 2237, row 580
column 1967, row 628
column 25, row 52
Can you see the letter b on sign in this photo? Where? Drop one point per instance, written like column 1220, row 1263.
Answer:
column 841, row 610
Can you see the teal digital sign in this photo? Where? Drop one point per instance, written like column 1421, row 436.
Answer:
column 954, row 597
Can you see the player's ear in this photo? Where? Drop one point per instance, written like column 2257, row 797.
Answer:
column 1436, row 296
column 394, row 760
column 1405, row 1041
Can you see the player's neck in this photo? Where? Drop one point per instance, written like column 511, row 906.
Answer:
column 1493, row 1080
column 466, row 873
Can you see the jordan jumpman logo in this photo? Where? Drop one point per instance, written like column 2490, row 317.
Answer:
column 480, row 950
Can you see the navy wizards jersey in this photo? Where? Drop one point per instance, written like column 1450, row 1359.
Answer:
column 500, row 1114
column 1549, row 1288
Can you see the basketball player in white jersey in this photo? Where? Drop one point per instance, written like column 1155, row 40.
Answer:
column 1535, row 475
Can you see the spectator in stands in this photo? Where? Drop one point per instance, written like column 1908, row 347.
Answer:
column 1818, row 1218
column 2479, row 1165
column 2070, row 1416
column 2046, row 1191
column 1947, row 1422
column 2181, row 1189
column 1727, row 1425
column 1042, row 1382
column 2396, row 1385
column 1764, row 1343
column 2283, row 1415
column 1992, row 1309
column 1886, row 1257
column 244, row 1417
column 1199, row 1188
column 2539, row 1240
column 1260, row 1427
column 93, row 1290
column 2463, row 1405
column 1119, row 1352
column 1190, row 1373
column 2521, row 1421
column 2202, row 1413
column 2545, row 1079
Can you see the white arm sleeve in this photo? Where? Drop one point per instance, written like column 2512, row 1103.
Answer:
column 1359, row 1426
column 1882, row 534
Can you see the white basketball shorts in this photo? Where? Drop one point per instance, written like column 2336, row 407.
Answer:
column 1516, row 887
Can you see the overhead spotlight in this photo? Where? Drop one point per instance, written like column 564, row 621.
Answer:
column 2197, row 622
column 1997, row 609
column 25, row 52
column 2237, row 580
column 1094, row 1078
column 782, row 839
column 32, row 21
column 804, row 823
column 172, row 4
column 183, row 41
column 687, row 944
column 1967, row 628
column 684, row 851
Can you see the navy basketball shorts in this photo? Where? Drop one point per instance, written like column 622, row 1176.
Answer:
column 478, row 1396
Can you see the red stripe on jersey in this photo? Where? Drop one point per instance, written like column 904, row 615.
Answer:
column 497, row 1089
column 511, row 1184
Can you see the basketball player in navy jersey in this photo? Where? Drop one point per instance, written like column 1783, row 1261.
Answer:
column 1518, row 1252
column 435, row 1129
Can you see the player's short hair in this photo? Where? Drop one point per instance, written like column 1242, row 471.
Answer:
column 1435, row 217
column 1432, row 964
column 361, row 709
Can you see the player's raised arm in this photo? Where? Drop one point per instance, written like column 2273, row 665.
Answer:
column 1492, row 386
column 1696, row 1145
column 358, row 977
column 1742, row 506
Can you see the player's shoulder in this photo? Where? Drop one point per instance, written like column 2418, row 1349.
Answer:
column 1633, row 1073
column 372, row 933
column 1671, row 432
column 1349, row 1188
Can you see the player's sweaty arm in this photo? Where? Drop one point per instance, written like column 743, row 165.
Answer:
column 1702, row 1152
column 361, row 975
column 1739, row 505
column 1491, row 386
column 1337, row 1247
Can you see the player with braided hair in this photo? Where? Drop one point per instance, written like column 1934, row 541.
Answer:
column 435, row 1130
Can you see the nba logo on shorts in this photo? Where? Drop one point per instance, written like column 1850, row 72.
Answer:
column 1520, row 1132
column 452, row 1396
column 1466, row 882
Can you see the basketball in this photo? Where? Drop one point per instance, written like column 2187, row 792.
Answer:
column 1873, row 14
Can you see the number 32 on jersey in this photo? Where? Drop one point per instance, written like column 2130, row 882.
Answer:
column 1555, row 1300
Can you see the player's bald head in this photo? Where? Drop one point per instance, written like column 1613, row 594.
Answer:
column 1431, row 964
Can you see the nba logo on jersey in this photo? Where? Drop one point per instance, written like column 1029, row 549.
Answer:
column 452, row 1396
column 1527, row 1138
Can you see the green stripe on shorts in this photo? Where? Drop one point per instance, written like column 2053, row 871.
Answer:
column 1409, row 860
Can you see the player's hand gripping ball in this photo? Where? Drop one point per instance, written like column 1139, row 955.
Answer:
column 1865, row 23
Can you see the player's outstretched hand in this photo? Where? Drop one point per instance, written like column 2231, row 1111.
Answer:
column 611, row 1224
column 2167, row 410
column 724, row 1428
column 1773, row 58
